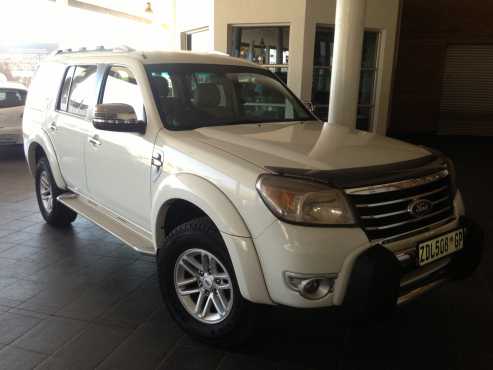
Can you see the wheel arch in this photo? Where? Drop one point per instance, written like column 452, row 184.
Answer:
column 201, row 196
column 42, row 146
column 187, row 192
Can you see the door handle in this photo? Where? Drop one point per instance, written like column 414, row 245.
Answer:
column 94, row 140
column 53, row 126
column 157, row 160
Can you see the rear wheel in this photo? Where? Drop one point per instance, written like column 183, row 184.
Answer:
column 54, row 212
column 199, row 285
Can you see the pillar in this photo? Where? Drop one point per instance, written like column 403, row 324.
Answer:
column 346, row 64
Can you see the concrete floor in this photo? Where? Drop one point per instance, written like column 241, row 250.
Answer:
column 78, row 299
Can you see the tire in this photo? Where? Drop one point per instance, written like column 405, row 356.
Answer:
column 54, row 212
column 196, row 239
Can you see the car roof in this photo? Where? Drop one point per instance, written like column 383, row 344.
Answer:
column 149, row 57
column 12, row 85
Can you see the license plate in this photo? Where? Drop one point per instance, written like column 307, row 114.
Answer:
column 440, row 247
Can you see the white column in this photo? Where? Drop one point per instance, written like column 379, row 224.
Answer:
column 346, row 64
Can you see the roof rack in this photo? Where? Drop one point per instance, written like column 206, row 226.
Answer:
column 118, row 49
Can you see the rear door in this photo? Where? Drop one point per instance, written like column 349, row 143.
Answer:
column 70, row 125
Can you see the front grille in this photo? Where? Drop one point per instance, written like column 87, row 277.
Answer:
column 383, row 210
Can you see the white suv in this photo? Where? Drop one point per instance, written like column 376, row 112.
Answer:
column 245, row 197
column 12, row 100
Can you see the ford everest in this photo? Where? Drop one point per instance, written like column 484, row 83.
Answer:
column 214, row 166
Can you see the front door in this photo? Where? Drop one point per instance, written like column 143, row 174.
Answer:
column 70, row 124
column 118, row 164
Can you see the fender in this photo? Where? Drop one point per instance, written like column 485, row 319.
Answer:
column 203, row 194
column 42, row 139
column 214, row 203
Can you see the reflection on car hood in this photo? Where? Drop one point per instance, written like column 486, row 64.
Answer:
column 308, row 145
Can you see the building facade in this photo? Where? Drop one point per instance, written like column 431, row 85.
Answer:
column 295, row 40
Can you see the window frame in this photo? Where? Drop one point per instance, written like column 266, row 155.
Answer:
column 60, row 89
column 375, row 71
column 259, row 25
column 57, row 106
column 187, row 35
column 106, row 68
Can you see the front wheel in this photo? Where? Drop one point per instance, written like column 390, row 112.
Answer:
column 54, row 212
column 199, row 285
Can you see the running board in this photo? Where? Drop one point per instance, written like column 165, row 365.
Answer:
column 119, row 228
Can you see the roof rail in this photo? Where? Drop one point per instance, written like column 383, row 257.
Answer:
column 118, row 49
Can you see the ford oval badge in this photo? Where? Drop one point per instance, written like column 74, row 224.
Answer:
column 420, row 207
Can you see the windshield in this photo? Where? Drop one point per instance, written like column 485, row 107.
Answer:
column 191, row 96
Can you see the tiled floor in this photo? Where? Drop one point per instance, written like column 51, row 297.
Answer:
column 78, row 299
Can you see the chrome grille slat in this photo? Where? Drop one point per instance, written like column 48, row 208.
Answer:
column 410, row 221
column 399, row 185
column 401, row 200
column 414, row 232
column 385, row 215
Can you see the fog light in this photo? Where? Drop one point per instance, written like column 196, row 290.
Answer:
column 311, row 286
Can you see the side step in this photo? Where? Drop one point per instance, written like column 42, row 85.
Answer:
column 124, row 231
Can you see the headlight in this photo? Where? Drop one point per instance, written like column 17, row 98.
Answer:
column 304, row 202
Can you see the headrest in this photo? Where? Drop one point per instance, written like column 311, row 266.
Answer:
column 207, row 95
column 161, row 86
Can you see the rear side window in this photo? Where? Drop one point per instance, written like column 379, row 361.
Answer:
column 121, row 87
column 64, row 94
column 83, row 89
column 12, row 98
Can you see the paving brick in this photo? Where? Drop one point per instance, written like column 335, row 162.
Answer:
column 13, row 358
column 87, row 350
column 50, row 335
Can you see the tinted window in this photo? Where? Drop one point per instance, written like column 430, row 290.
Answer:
column 192, row 96
column 83, row 90
column 121, row 87
column 66, row 89
column 12, row 98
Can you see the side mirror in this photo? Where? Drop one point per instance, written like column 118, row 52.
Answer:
column 117, row 117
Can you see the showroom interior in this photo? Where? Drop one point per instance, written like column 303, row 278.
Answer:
column 414, row 70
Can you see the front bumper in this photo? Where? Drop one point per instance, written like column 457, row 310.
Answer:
column 460, row 265
column 367, row 274
column 375, row 285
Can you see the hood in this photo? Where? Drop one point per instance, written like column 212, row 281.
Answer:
column 311, row 146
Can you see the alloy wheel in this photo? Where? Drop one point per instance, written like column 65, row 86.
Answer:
column 46, row 192
column 203, row 285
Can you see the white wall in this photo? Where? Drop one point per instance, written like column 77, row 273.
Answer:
column 302, row 16
column 192, row 15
